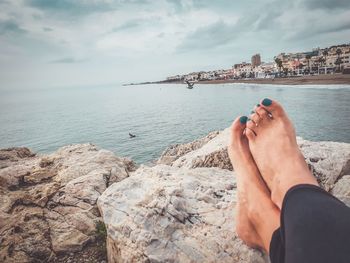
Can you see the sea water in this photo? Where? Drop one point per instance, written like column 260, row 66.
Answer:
column 159, row 115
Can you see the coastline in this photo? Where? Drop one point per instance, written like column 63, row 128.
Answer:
column 304, row 80
column 331, row 79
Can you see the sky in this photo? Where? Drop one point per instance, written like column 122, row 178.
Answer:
column 61, row 43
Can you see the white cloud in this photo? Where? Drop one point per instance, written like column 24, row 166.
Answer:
column 154, row 38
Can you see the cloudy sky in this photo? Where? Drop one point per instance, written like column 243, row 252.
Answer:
column 56, row 43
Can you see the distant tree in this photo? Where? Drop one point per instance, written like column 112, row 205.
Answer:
column 320, row 61
column 338, row 52
column 325, row 54
column 300, row 66
column 338, row 61
column 279, row 64
column 308, row 57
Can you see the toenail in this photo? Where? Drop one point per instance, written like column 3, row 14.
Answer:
column 266, row 102
column 243, row 119
column 258, row 105
column 252, row 112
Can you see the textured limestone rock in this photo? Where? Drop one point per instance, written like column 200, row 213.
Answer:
column 173, row 152
column 213, row 153
column 169, row 214
column 327, row 160
column 181, row 210
column 342, row 189
column 48, row 203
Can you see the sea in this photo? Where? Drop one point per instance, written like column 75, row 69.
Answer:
column 160, row 115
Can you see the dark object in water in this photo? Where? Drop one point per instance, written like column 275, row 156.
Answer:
column 189, row 84
column 132, row 135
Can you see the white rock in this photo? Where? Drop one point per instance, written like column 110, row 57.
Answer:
column 327, row 160
column 168, row 214
column 48, row 203
column 341, row 189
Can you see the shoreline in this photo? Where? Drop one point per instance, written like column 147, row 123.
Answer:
column 335, row 79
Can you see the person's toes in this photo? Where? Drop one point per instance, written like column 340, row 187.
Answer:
column 273, row 107
column 262, row 113
column 238, row 126
column 237, row 132
column 250, row 130
column 255, row 118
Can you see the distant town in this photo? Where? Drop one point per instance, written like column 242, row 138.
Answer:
column 330, row 60
column 330, row 65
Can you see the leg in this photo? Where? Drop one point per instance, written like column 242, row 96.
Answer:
column 314, row 225
column 257, row 217
column 272, row 141
column 314, row 228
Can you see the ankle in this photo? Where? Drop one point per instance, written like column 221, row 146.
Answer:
column 277, row 197
column 265, row 219
column 279, row 189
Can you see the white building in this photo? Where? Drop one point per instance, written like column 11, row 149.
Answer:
column 242, row 70
column 265, row 70
column 174, row 78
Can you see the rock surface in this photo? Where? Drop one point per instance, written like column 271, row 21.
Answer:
column 342, row 189
column 327, row 160
column 168, row 214
column 182, row 209
column 48, row 203
column 173, row 152
column 211, row 153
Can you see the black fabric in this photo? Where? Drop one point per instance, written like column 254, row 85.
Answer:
column 277, row 247
column 315, row 228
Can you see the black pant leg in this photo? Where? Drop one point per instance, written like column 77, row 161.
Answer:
column 277, row 247
column 315, row 228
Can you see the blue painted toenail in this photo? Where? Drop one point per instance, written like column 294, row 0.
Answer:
column 258, row 105
column 266, row 102
column 243, row 119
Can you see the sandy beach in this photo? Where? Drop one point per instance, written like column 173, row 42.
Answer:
column 303, row 80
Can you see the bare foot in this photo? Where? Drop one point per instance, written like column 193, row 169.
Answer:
column 272, row 142
column 256, row 215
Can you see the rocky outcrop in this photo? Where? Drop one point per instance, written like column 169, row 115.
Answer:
column 342, row 189
column 168, row 214
column 48, row 206
column 179, row 210
column 328, row 161
column 212, row 153
column 182, row 209
column 173, row 152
